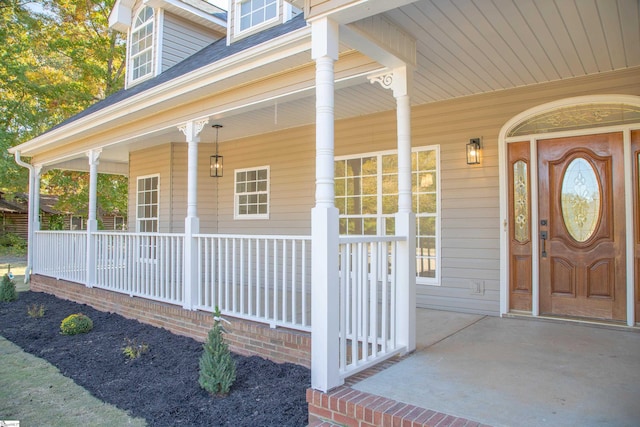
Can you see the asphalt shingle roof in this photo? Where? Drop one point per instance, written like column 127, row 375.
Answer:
column 214, row 52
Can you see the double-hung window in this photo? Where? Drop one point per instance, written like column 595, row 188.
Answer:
column 252, row 193
column 141, row 61
column 366, row 195
column 252, row 13
column 147, row 203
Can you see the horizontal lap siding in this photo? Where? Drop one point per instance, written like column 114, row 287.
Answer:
column 151, row 161
column 290, row 156
column 181, row 39
column 470, row 220
column 471, row 223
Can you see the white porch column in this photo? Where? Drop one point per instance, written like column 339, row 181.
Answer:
column 92, row 221
column 36, row 197
column 399, row 80
column 324, row 217
column 191, row 223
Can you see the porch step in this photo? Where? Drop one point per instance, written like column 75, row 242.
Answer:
column 322, row 423
column 347, row 407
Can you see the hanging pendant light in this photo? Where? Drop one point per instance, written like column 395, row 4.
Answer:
column 215, row 161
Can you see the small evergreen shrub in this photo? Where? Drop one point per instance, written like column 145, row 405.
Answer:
column 8, row 289
column 36, row 311
column 217, row 367
column 134, row 349
column 76, row 324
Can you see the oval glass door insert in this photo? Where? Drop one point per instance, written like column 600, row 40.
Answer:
column 580, row 199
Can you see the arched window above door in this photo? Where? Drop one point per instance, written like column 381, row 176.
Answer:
column 581, row 116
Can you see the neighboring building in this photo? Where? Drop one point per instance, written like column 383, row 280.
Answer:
column 506, row 132
column 15, row 216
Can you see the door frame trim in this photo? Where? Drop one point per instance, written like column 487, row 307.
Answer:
column 503, row 141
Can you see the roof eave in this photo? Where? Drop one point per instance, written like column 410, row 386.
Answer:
column 280, row 47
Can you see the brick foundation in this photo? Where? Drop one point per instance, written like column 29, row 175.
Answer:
column 346, row 406
column 245, row 337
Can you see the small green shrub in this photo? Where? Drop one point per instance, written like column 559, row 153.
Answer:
column 35, row 310
column 8, row 289
column 217, row 368
column 134, row 349
column 76, row 324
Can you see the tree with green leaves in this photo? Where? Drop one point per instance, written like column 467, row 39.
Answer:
column 72, row 189
column 57, row 57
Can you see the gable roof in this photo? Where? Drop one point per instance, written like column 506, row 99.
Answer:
column 9, row 207
column 214, row 52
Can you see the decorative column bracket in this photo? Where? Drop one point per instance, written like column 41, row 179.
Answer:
column 192, row 128
column 397, row 79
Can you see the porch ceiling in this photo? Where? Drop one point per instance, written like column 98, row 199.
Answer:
column 467, row 47
column 464, row 47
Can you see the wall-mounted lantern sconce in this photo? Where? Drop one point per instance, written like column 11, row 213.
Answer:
column 473, row 151
column 215, row 161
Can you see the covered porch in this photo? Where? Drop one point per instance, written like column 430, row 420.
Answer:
column 480, row 370
column 293, row 109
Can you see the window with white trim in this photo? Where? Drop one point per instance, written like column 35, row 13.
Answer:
column 251, row 193
column 141, row 47
column 253, row 13
column 147, row 203
column 366, row 195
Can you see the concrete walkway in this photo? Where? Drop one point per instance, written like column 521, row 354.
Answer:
column 518, row 372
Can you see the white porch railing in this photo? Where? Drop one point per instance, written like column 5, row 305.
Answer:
column 367, row 315
column 263, row 278
column 61, row 254
column 148, row 265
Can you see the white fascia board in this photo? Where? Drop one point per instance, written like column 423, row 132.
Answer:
column 120, row 16
column 196, row 15
column 361, row 9
column 278, row 48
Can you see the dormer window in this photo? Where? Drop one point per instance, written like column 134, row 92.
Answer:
column 141, row 61
column 253, row 13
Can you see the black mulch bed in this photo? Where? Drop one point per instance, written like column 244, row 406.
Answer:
column 162, row 385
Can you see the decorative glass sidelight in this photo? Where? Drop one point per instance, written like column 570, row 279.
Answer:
column 580, row 199
column 521, row 201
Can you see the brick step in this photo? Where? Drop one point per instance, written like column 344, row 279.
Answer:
column 345, row 406
column 323, row 423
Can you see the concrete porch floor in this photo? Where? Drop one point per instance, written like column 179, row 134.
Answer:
column 518, row 372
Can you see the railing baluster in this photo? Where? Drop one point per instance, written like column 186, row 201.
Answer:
column 262, row 278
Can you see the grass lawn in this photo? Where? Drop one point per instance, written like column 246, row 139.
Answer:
column 35, row 393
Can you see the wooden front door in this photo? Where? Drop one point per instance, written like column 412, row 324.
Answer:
column 582, row 226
